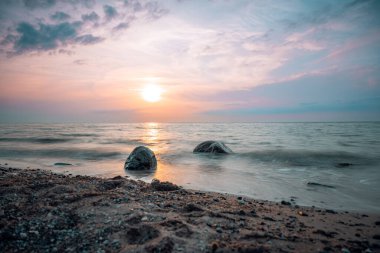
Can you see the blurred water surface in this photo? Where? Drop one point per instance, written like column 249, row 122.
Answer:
column 272, row 161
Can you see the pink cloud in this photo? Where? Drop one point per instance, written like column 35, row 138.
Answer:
column 354, row 44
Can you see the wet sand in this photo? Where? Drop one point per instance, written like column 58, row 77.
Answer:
column 45, row 212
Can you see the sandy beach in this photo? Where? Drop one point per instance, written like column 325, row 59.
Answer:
column 45, row 212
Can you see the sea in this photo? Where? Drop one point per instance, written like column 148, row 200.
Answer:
column 327, row 165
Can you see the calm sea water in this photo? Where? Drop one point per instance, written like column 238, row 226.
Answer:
column 273, row 161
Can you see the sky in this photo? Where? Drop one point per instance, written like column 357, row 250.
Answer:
column 214, row 61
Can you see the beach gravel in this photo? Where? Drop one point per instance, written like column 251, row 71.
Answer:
column 45, row 212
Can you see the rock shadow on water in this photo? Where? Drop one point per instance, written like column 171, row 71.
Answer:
column 60, row 164
column 140, row 174
column 211, row 163
column 343, row 165
column 314, row 184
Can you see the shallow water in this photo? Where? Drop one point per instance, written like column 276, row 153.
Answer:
column 272, row 161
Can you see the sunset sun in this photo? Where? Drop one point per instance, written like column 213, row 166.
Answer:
column 151, row 93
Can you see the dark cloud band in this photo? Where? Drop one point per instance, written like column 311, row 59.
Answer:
column 49, row 25
column 60, row 16
column 48, row 37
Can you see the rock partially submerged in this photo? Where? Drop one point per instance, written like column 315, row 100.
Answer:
column 141, row 158
column 212, row 147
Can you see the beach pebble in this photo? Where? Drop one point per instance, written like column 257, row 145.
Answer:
column 141, row 234
column 164, row 245
column 253, row 213
column 192, row 208
column 163, row 186
column 214, row 246
column 212, row 147
column 79, row 215
column 111, row 184
column 301, row 213
column 141, row 158
column 34, row 232
column 330, row 211
column 116, row 244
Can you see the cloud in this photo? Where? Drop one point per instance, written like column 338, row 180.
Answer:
column 9, row 39
column 110, row 12
column 45, row 4
column 80, row 62
column 135, row 5
column 47, row 25
column 85, row 3
column 323, row 13
column 326, row 93
column 92, row 17
column 370, row 104
column 355, row 45
column 60, row 16
column 152, row 10
column 34, row 4
column 88, row 39
column 155, row 11
column 66, row 51
column 47, row 37
column 121, row 26
column 44, row 37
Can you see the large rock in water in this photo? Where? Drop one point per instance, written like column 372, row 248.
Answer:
column 141, row 158
column 212, row 147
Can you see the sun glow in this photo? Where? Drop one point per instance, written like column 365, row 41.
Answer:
column 151, row 93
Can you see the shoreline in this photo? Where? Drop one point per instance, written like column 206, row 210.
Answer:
column 46, row 212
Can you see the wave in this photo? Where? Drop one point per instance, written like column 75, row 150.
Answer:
column 123, row 141
column 307, row 158
column 346, row 144
column 86, row 154
column 80, row 135
column 36, row 140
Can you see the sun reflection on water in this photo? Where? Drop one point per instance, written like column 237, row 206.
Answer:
column 151, row 136
column 154, row 138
